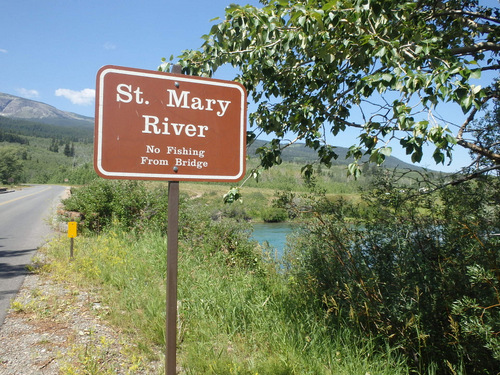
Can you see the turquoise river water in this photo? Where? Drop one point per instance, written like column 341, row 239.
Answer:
column 272, row 233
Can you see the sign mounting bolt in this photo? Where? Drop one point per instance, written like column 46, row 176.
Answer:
column 177, row 84
column 176, row 169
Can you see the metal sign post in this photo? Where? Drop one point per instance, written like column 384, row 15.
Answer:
column 172, row 260
column 172, row 257
column 172, row 127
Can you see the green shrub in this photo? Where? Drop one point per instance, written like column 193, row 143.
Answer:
column 10, row 165
column 274, row 215
column 421, row 273
column 79, row 175
column 130, row 204
column 136, row 206
column 234, row 211
column 224, row 237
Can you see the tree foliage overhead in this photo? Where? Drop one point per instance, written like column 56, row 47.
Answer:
column 486, row 133
column 316, row 68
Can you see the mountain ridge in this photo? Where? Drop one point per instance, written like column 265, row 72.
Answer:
column 300, row 153
column 12, row 106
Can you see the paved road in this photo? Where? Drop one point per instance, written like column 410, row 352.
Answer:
column 24, row 226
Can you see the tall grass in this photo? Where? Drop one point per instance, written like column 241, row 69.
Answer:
column 234, row 317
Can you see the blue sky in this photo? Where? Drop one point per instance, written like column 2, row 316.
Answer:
column 51, row 50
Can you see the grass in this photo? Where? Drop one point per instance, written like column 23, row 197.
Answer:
column 233, row 319
column 254, row 202
column 43, row 166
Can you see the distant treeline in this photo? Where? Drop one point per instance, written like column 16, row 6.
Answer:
column 20, row 127
column 300, row 153
column 12, row 138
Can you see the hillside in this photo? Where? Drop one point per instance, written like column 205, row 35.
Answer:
column 299, row 153
column 42, row 135
column 16, row 107
column 32, row 128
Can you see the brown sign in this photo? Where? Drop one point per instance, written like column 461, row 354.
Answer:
column 160, row 126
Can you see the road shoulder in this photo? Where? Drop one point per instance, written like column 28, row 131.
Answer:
column 53, row 327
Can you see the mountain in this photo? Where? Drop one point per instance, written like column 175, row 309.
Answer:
column 20, row 108
column 15, row 108
column 299, row 153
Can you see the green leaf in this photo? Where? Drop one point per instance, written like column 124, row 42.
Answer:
column 416, row 157
column 475, row 74
column 330, row 5
column 233, row 195
column 387, row 151
column 307, row 170
column 353, row 170
column 438, row 156
column 381, row 52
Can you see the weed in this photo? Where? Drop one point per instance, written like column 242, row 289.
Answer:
column 19, row 307
column 233, row 318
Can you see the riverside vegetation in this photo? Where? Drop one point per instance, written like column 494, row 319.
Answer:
column 395, row 281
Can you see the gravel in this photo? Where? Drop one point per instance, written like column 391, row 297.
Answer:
column 57, row 328
column 54, row 327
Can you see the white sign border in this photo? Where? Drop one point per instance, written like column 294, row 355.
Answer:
column 167, row 76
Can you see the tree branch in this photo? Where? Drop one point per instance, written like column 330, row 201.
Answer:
column 348, row 123
column 480, row 150
column 483, row 46
column 491, row 67
column 472, row 175
column 453, row 182
column 461, row 13
column 488, row 153
column 466, row 123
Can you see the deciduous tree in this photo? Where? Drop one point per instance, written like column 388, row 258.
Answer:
column 10, row 165
column 316, row 68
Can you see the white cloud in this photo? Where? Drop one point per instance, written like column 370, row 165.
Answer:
column 83, row 97
column 30, row 94
column 109, row 46
column 3, row 50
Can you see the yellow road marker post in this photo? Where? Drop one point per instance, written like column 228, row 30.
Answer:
column 72, row 225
